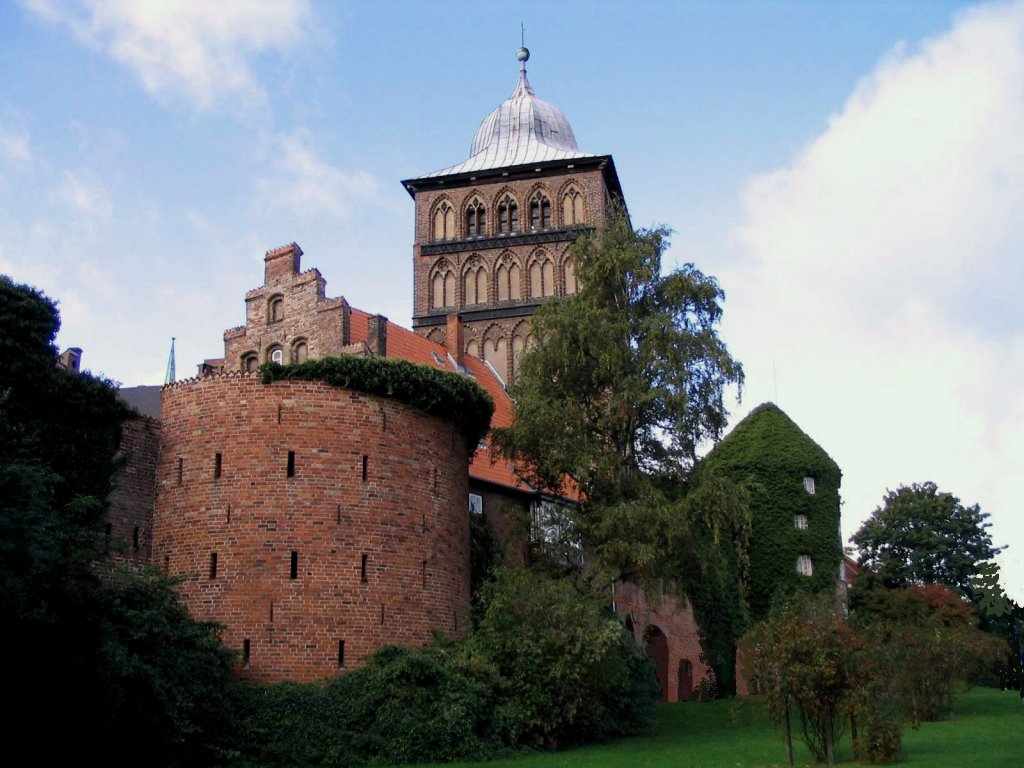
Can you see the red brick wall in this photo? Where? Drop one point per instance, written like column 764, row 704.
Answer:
column 677, row 624
column 409, row 519
column 591, row 185
column 131, row 501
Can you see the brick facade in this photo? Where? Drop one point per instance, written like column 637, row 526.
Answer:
column 369, row 495
column 496, row 305
column 677, row 657
column 134, row 493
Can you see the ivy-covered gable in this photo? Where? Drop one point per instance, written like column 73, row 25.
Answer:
column 794, row 504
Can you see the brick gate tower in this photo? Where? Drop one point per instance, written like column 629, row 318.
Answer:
column 492, row 233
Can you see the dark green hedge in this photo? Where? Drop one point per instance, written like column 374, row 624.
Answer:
column 438, row 393
column 770, row 455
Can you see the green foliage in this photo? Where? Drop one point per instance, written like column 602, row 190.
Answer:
column 115, row 647
column 546, row 667
column 439, row 393
column 926, row 536
column 568, row 672
column 627, row 375
column 693, row 538
column 625, row 379
column 931, row 643
column 801, row 656
column 485, row 553
column 769, row 455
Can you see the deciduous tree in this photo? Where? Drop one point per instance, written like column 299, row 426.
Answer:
column 921, row 535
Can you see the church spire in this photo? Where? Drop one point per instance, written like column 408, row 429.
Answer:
column 169, row 377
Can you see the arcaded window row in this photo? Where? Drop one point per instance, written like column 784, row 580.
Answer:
column 475, row 221
column 481, row 283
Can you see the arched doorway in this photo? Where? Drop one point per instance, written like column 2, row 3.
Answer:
column 657, row 649
column 685, row 680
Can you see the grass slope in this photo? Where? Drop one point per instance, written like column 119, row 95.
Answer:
column 986, row 732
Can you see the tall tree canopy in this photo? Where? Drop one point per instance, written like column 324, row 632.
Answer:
column 625, row 379
column 110, row 645
column 627, row 376
column 921, row 535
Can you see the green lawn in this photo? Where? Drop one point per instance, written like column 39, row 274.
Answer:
column 986, row 732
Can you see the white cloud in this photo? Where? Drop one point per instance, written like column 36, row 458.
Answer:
column 14, row 145
column 309, row 186
column 883, row 277
column 195, row 48
column 82, row 195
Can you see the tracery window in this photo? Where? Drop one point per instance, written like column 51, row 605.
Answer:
column 540, row 211
column 476, row 219
column 572, row 207
column 508, row 215
column 542, row 276
column 444, row 221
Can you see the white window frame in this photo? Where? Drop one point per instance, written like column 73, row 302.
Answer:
column 804, row 565
column 809, row 484
column 800, row 522
column 476, row 504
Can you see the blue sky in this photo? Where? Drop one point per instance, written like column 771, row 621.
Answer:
column 853, row 173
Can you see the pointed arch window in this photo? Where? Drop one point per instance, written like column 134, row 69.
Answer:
column 507, row 277
column 572, row 207
column 442, row 287
column 476, row 219
column 571, row 283
column 542, row 276
column 444, row 221
column 540, row 211
column 508, row 215
column 474, row 285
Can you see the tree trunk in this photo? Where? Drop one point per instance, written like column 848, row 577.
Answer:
column 789, row 736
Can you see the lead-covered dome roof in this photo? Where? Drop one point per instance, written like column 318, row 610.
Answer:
column 523, row 129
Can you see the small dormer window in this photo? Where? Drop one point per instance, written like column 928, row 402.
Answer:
column 809, row 484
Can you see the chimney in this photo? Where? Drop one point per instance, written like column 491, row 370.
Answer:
column 377, row 335
column 281, row 262
column 455, row 341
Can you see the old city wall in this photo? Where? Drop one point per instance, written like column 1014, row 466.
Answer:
column 131, row 501
column 331, row 523
column 669, row 632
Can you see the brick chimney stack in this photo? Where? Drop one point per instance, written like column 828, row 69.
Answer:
column 377, row 335
column 455, row 341
column 282, row 262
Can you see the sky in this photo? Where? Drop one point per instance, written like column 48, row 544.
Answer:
column 851, row 172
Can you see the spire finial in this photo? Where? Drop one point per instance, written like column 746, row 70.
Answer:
column 169, row 378
column 523, row 54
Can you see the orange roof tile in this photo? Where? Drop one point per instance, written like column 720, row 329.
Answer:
column 407, row 345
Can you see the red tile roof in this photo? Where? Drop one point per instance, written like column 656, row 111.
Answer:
column 406, row 345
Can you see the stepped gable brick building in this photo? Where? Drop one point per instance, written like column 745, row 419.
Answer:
column 316, row 523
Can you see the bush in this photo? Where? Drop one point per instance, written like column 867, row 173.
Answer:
column 568, row 670
column 546, row 667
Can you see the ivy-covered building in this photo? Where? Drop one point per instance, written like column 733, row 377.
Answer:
column 795, row 542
